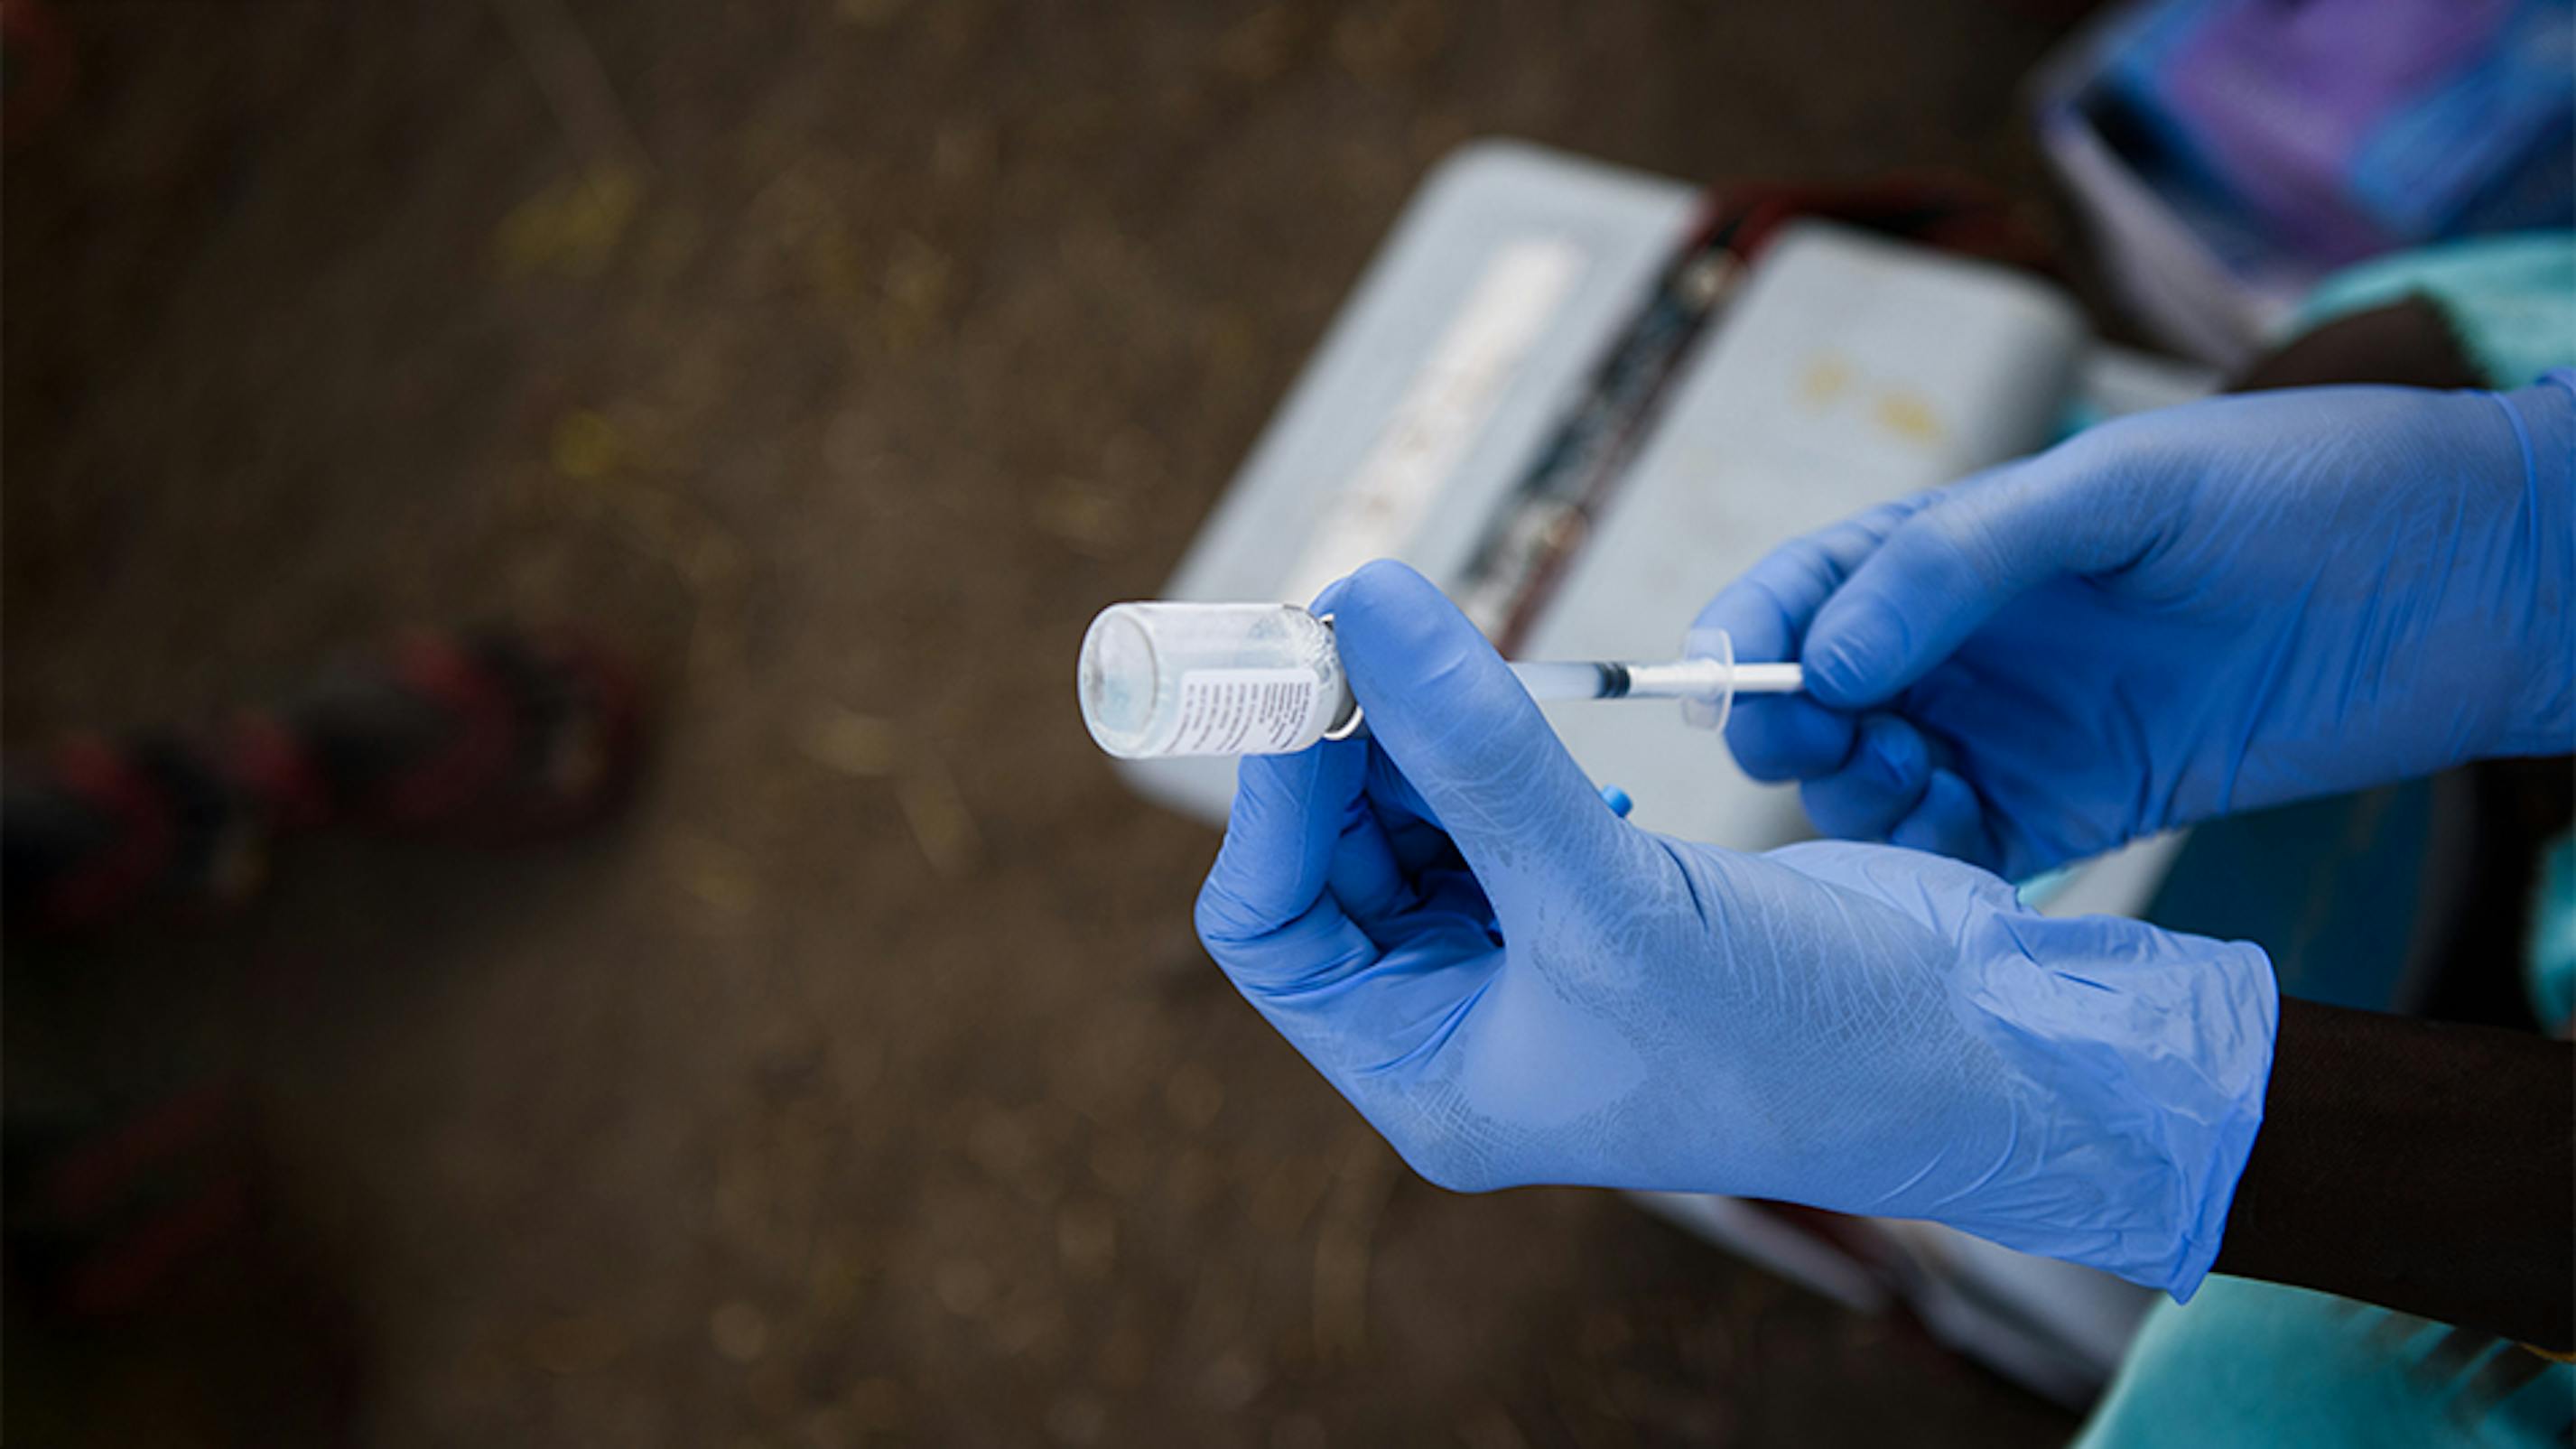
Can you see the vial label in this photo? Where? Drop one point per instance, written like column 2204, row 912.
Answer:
column 1248, row 711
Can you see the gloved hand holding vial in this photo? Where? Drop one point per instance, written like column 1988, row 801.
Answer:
column 2244, row 601
column 1167, row 679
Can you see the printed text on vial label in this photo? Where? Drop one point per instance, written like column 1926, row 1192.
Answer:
column 1245, row 711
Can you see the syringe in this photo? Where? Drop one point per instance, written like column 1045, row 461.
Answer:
column 1550, row 680
column 1166, row 679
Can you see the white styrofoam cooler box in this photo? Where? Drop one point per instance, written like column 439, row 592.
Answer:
column 1847, row 369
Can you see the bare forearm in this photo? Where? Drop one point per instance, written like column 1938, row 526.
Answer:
column 2418, row 1165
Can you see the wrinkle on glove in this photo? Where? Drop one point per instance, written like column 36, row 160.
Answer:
column 1514, row 985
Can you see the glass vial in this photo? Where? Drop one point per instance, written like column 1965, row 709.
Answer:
column 1163, row 679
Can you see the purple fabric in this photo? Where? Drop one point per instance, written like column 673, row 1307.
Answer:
column 2281, row 105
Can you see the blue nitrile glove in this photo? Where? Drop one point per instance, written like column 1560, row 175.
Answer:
column 2218, row 606
column 1517, row 986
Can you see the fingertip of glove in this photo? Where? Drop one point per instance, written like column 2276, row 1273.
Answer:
column 1949, row 821
column 1385, row 602
column 1895, row 750
column 1288, row 811
column 1845, row 658
column 1781, row 738
column 1221, row 915
column 1407, row 647
column 1262, row 782
column 1879, row 786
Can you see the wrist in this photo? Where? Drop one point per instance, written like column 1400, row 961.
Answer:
column 2419, row 1165
column 2542, row 418
column 2160, row 1046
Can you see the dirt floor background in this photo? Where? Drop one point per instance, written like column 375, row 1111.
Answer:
column 838, row 359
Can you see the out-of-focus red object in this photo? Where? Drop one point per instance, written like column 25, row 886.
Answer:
column 35, row 68
column 487, row 737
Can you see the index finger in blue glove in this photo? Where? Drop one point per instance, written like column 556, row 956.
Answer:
column 1968, row 551
column 1879, row 786
column 1949, row 820
column 1411, row 828
column 1267, row 912
column 1765, row 614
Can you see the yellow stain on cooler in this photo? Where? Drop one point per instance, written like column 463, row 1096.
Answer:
column 1827, row 377
column 1909, row 416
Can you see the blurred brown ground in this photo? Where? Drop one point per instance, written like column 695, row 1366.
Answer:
column 864, row 1082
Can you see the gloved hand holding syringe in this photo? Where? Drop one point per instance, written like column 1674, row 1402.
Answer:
column 1164, row 679
column 2257, row 599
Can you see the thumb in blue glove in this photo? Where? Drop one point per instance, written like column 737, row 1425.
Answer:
column 1516, row 986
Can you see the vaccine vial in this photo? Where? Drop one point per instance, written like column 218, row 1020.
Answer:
column 1166, row 679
